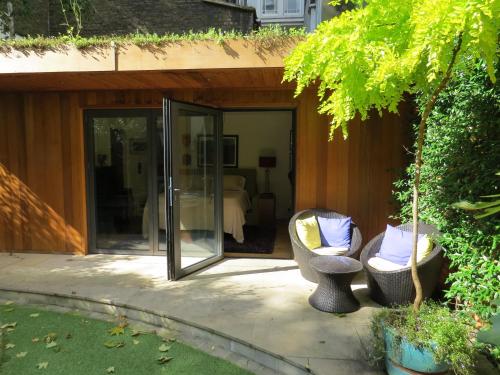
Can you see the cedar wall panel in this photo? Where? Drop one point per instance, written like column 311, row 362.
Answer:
column 42, row 165
column 42, row 183
column 354, row 176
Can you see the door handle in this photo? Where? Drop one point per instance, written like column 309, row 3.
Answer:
column 170, row 193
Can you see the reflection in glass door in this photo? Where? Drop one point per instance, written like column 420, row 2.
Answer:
column 125, row 155
column 159, row 139
column 195, row 187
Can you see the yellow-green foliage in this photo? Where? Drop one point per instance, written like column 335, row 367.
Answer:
column 369, row 57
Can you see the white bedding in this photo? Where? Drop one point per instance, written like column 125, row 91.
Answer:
column 194, row 207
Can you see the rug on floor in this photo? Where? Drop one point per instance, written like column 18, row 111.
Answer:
column 257, row 240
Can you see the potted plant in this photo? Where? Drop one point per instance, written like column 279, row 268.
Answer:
column 432, row 340
column 369, row 59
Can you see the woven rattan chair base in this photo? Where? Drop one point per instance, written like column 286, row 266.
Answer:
column 334, row 293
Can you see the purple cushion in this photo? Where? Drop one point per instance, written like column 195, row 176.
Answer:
column 335, row 232
column 396, row 245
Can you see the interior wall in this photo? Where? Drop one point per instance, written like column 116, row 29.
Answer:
column 265, row 133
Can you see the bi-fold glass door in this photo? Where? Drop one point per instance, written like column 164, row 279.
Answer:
column 125, row 155
column 193, row 137
column 155, row 184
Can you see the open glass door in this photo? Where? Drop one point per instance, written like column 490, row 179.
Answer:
column 193, row 204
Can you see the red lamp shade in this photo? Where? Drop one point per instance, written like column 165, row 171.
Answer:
column 267, row 161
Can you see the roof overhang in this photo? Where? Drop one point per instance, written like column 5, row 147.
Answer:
column 189, row 64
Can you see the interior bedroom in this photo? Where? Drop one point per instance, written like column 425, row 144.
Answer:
column 257, row 194
column 259, row 146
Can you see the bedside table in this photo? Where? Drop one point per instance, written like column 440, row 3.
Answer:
column 266, row 209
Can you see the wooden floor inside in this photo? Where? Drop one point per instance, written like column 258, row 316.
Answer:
column 282, row 246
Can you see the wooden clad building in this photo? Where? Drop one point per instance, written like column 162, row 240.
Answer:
column 44, row 189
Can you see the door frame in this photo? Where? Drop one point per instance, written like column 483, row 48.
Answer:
column 150, row 114
column 174, row 251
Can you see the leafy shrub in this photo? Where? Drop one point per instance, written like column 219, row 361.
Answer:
column 461, row 156
column 436, row 328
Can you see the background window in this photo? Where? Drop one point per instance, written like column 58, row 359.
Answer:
column 270, row 6
column 292, row 6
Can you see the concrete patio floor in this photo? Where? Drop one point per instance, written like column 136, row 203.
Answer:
column 261, row 301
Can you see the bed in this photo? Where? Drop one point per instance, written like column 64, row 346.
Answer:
column 239, row 188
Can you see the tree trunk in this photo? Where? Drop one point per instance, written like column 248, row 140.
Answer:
column 418, row 168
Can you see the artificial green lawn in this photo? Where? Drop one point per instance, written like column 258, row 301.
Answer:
column 81, row 348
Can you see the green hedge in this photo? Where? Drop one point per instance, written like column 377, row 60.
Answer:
column 461, row 155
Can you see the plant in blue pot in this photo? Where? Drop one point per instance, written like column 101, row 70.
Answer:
column 433, row 341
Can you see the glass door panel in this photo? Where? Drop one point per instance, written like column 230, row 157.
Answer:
column 195, row 187
column 160, row 182
column 120, row 157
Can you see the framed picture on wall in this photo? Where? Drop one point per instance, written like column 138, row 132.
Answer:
column 229, row 151
column 138, row 145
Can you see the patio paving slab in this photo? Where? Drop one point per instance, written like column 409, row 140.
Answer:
column 261, row 301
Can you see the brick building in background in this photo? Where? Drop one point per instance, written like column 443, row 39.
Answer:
column 119, row 17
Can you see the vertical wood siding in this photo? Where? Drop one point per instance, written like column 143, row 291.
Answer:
column 42, row 165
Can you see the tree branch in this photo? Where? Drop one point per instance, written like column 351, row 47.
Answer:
column 418, row 167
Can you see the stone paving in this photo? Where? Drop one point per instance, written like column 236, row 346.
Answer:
column 261, row 301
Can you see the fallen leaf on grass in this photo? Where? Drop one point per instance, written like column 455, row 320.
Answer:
column 164, row 359
column 136, row 333
column 114, row 344
column 10, row 346
column 35, row 315
column 51, row 344
column 115, row 331
column 136, row 342
column 9, row 325
column 10, row 329
column 34, row 340
column 21, row 354
column 8, row 303
column 50, row 337
column 164, row 348
column 10, row 309
column 42, row 365
column 110, row 370
column 110, row 344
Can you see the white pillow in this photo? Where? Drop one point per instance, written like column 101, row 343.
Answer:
column 330, row 250
column 234, row 182
column 382, row 264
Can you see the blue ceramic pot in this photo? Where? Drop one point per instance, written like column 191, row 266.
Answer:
column 405, row 358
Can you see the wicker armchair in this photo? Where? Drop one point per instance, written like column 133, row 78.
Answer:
column 302, row 254
column 396, row 287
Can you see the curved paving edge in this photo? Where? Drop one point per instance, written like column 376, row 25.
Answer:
column 233, row 349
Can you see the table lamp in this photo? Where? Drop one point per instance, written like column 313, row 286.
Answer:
column 267, row 162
